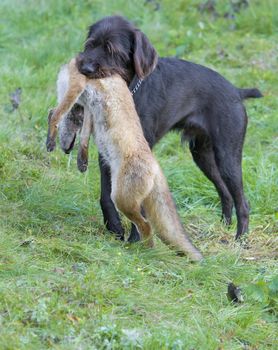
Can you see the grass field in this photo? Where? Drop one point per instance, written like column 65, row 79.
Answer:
column 65, row 283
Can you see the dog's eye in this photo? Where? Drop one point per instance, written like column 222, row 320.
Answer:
column 110, row 48
column 89, row 42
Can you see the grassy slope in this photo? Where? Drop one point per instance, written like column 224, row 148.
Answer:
column 72, row 286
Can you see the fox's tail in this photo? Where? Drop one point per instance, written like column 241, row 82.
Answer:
column 161, row 212
column 247, row 93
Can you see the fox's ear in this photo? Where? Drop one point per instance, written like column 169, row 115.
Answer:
column 50, row 113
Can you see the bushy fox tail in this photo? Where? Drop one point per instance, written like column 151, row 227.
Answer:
column 160, row 211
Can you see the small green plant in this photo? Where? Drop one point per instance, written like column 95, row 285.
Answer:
column 265, row 292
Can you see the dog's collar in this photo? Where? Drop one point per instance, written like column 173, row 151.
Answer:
column 133, row 88
column 136, row 82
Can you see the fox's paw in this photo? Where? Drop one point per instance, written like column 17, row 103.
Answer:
column 82, row 162
column 50, row 145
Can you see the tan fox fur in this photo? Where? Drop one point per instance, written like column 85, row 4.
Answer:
column 137, row 180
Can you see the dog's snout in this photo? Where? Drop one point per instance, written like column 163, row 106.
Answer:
column 86, row 69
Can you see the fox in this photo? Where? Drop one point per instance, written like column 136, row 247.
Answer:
column 139, row 187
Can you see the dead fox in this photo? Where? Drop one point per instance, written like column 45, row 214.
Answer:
column 137, row 180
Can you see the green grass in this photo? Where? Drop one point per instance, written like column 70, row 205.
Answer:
column 65, row 283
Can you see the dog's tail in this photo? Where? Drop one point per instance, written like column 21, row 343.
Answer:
column 161, row 212
column 250, row 93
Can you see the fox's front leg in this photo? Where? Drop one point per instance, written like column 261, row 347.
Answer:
column 55, row 115
column 82, row 158
column 51, row 133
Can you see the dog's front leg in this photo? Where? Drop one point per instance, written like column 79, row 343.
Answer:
column 110, row 215
column 134, row 234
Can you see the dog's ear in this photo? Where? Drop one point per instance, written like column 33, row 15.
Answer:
column 144, row 56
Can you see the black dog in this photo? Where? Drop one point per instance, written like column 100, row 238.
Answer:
column 174, row 95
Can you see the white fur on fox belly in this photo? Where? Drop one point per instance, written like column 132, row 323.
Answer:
column 110, row 153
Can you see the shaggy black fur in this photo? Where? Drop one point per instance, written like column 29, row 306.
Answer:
column 175, row 95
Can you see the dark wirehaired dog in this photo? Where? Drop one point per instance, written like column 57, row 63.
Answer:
column 174, row 95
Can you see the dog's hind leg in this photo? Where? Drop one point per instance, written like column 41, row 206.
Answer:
column 203, row 155
column 231, row 172
column 228, row 156
column 82, row 158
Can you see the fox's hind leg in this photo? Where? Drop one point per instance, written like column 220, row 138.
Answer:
column 132, row 211
column 142, row 225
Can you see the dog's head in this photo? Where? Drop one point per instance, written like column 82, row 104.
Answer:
column 114, row 45
column 72, row 122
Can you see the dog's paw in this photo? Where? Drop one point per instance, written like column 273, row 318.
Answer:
column 133, row 237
